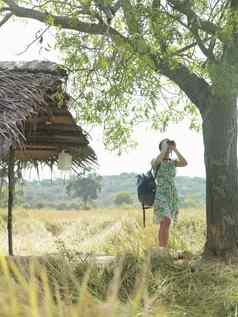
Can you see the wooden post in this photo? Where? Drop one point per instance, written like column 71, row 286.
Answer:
column 11, row 189
column 143, row 207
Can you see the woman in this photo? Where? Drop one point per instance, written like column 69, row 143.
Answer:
column 166, row 199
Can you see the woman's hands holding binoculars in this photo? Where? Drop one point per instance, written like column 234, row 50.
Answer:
column 168, row 145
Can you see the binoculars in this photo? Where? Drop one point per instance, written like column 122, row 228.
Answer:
column 170, row 142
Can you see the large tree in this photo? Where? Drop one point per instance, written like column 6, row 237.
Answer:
column 124, row 55
column 85, row 187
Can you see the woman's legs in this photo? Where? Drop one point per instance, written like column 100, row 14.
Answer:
column 164, row 232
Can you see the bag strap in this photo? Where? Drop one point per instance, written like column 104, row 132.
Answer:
column 156, row 171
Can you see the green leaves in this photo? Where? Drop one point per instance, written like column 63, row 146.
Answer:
column 132, row 21
column 116, row 76
column 118, row 88
column 103, row 63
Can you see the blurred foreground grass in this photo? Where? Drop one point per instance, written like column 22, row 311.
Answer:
column 138, row 283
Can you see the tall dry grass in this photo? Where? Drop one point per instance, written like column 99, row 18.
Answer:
column 139, row 282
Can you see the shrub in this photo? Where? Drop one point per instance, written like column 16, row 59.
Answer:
column 74, row 206
column 55, row 228
column 123, row 198
column 62, row 206
column 40, row 205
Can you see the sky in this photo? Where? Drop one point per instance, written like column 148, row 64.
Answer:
column 15, row 37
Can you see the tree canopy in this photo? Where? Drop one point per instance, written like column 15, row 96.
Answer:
column 125, row 55
column 85, row 187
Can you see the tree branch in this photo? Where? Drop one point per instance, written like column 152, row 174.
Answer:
column 4, row 9
column 196, row 88
column 233, row 4
column 38, row 37
column 208, row 52
column 185, row 48
column 109, row 11
column 65, row 22
column 185, row 8
column 5, row 19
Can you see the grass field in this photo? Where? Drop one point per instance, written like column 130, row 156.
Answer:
column 101, row 231
column 51, row 277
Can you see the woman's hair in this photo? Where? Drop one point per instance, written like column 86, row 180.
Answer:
column 160, row 144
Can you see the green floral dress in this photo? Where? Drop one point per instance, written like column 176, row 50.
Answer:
column 166, row 198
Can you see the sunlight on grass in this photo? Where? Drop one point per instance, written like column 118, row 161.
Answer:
column 60, row 281
column 102, row 231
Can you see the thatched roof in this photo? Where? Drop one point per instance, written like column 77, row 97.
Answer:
column 35, row 117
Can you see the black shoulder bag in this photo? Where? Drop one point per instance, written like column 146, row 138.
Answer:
column 146, row 189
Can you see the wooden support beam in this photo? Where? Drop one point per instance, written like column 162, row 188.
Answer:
column 11, row 189
column 57, row 140
column 41, row 155
column 39, row 147
column 61, row 118
column 59, row 127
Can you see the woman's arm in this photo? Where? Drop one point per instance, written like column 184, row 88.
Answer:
column 181, row 161
column 155, row 162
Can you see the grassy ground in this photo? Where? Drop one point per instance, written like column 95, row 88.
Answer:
column 101, row 231
column 138, row 283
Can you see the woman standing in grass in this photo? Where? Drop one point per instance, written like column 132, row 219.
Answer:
column 166, row 198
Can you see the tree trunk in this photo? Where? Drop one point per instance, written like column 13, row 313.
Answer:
column 220, row 141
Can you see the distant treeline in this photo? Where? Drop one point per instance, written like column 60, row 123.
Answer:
column 47, row 193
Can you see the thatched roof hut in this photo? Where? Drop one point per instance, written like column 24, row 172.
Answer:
column 35, row 122
column 34, row 115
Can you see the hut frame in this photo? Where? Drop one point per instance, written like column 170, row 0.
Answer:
column 35, row 122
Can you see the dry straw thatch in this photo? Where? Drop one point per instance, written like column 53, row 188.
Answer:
column 34, row 115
